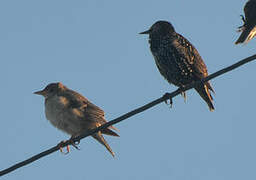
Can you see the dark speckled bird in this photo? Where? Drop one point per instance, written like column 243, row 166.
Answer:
column 177, row 59
column 72, row 113
column 249, row 27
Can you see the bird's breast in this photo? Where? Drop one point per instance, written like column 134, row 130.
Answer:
column 62, row 116
column 54, row 108
column 171, row 62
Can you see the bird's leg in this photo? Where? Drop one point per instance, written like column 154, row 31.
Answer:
column 167, row 97
column 183, row 94
column 74, row 144
column 243, row 19
column 241, row 28
column 61, row 145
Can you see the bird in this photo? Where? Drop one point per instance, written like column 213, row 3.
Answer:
column 74, row 114
column 178, row 60
column 248, row 29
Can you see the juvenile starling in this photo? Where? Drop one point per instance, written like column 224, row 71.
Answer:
column 249, row 27
column 177, row 59
column 72, row 113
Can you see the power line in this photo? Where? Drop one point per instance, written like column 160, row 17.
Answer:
column 129, row 114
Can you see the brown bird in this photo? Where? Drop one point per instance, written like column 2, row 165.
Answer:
column 248, row 29
column 72, row 113
column 177, row 59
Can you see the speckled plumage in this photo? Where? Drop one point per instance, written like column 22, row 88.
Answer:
column 249, row 27
column 177, row 59
column 72, row 113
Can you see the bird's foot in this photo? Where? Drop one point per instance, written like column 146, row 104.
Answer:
column 74, row 144
column 183, row 93
column 243, row 19
column 241, row 28
column 167, row 97
column 61, row 145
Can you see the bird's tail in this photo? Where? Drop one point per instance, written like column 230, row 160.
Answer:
column 247, row 35
column 109, row 132
column 99, row 137
column 204, row 92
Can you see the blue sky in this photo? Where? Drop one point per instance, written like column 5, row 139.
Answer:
column 93, row 47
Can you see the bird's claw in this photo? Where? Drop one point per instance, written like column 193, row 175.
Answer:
column 168, row 97
column 183, row 94
column 241, row 28
column 74, row 144
column 61, row 145
column 242, row 17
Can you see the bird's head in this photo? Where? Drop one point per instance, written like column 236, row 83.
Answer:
column 160, row 28
column 51, row 90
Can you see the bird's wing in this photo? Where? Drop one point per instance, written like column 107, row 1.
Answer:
column 90, row 111
column 96, row 114
column 79, row 102
column 191, row 58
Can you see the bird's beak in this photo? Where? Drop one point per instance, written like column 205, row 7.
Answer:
column 43, row 93
column 146, row 32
